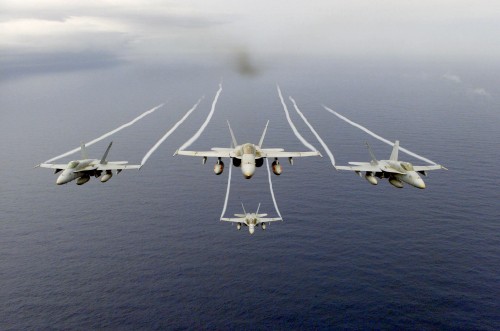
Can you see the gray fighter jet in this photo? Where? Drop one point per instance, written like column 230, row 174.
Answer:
column 396, row 171
column 251, row 220
column 81, row 170
column 247, row 156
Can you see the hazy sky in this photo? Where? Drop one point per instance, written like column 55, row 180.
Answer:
column 54, row 32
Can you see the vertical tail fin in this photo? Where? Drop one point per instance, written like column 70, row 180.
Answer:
column 374, row 159
column 258, row 207
column 103, row 160
column 232, row 135
column 84, row 151
column 261, row 141
column 244, row 211
column 395, row 149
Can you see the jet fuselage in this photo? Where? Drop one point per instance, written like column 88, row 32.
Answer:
column 251, row 222
column 71, row 172
column 409, row 175
column 248, row 155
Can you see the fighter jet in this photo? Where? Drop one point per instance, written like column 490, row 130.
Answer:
column 81, row 170
column 396, row 171
column 251, row 220
column 247, row 156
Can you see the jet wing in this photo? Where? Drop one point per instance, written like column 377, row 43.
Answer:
column 360, row 167
column 53, row 166
column 235, row 220
column 267, row 220
column 429, row 167
column 277, row 152
column 114, row 166
column 229, row 152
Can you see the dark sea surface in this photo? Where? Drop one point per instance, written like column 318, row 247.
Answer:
column 147, row 250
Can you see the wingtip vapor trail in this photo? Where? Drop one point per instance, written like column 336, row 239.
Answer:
column 227, row 193
column 150, row 111
column 327, row 150
column 272, row 191
column 292, row 126
column 204, row 125
column 167, row 134
column 359, row 126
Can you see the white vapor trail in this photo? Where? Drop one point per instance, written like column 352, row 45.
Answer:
column 272, row 191
column 148, row 154
column 107, row 134
column 204, row 125
column 327, row 150
column 297, row 134
column 404, row 150
column 227, row 191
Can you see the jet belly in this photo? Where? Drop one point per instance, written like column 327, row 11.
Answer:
column 248, row 165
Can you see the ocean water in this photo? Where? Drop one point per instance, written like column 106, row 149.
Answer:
column 147, row 250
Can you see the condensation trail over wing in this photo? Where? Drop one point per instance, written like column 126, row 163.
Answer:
column 227, row 192
column 327, row 150
column 204, row 125
column 294, row 129
column 107, row 134
column 272, row 191
column 404, row 150
column 151, row 151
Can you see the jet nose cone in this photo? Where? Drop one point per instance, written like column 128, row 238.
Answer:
column 420, row 184
column 251, row 230
column 247, row 171
column 60, row 180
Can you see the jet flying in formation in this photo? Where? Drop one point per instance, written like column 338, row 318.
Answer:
column 247, row 156
column 251, row 220
column 396, row 171
column 81, row 170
